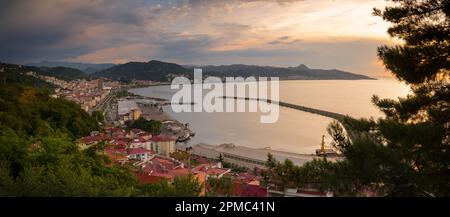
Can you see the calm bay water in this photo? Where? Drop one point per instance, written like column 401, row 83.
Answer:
column 295, row 131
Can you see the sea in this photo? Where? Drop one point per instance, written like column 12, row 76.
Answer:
column 295, row 131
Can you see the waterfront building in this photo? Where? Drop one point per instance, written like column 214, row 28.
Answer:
column 127, row 110
column 135, row 114
column 297, row 192
column 247, row 157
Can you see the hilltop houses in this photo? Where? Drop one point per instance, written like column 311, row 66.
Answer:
column 87, row 93
column 134, row 146
column 152, row 159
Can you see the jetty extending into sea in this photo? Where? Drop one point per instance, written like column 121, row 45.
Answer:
column 324, row 113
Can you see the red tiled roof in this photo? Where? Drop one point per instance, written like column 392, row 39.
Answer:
column 180, row 172
column 159, row 165
column 114, row 150
column 121, row 139
column 140, row 139
column 117, row 158
column 246, row 190
column 93, row 139
column 246, row 177
column 136, row 131
column 202, row 167
column 145, row 178
column 120, row 143
column 162, row 138
column 138, row 151
column 209, row 169
column 216, row 171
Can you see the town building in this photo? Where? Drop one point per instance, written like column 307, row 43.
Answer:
column 127, row 110
column 248, row 185
column 297, row 192
column 163, row 145
column 247, row 157
column 88, row 141
column 140, row 154
column 117, row 154
column 212, row 170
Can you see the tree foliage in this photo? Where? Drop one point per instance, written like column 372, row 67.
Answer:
column 33, row 112
column 39, row 156
column 151, row 126
column 220, row 186
column 182, row 186
column 98, row 116
column 405, row 153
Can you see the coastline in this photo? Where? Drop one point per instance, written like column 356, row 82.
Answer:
column 168, row 117
column 304, row 142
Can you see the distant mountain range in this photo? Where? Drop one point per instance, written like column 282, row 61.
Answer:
column 153, row 70
column 301, row 72
column 163, row 71
column 87, row 68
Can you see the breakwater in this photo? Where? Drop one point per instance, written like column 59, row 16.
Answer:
column 324, row 113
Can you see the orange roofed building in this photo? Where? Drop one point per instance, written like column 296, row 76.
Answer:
column 159, row 168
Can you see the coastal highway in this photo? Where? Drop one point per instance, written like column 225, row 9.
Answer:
column 101, row 105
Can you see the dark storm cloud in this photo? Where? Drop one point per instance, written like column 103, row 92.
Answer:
column 186, row 31
column 183, row 48
column 31, row 30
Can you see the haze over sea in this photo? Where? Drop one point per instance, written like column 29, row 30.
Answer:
column 295, row 131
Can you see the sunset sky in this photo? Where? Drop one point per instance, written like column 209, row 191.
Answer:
column 325, row 34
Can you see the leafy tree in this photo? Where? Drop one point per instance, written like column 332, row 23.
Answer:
column 32, row 111
column 151, row 126
column 39, row 156
column 187, row 186
column 416, row 128
column 220, row 186
column 182, row 186
column 406, row 153
column 220, row 158
column 53, row 166
column 182, row 156
column 98, row 116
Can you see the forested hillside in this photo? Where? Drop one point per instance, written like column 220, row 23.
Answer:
column 39, row 155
